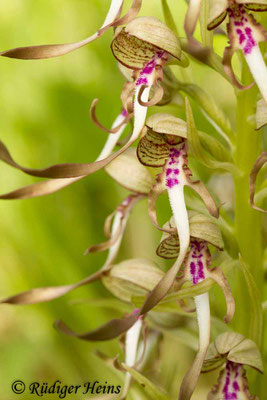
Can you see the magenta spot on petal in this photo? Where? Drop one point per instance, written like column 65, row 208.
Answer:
column 124, row 113
column 141, row 81
column 230, row 396
column 149, row 68
column 174, row 152
column 192, row 268
column 171, row 182
column 172, row 170
column 227, row 382
column 201, row 274
column 169, row 171
column 236, row 386
column 197, row 266
column 160, row 54
column 242, row 38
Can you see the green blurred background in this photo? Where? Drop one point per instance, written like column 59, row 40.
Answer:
column 44, row 120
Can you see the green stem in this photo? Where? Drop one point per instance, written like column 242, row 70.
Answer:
column 248, row 224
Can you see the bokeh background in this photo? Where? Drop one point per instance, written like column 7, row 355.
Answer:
column 44, row 120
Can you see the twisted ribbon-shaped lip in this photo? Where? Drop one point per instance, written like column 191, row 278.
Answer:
column 54, row 50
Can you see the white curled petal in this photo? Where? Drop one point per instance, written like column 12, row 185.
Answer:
column 131, row 345
column 203, row 317
column 258, row 69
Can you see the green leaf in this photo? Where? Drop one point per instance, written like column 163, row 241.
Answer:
column 256, row 313
column 209, row 107
column 214, row 147
column 196, row 149
column 168, row 17
column 154, row 392
column 206, row 35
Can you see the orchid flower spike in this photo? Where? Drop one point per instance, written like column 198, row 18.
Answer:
column 232, row 351
column 203, row 231
column 244, row 34
column 163, row 144
column 128, row 172
column 54, row 50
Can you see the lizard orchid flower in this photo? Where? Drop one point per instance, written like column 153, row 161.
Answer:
column 232, row 351
column 203, row 231
column 163, row 144
column 54, row 50
column 144, row 46
column 139, row 182
column 244, row 34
